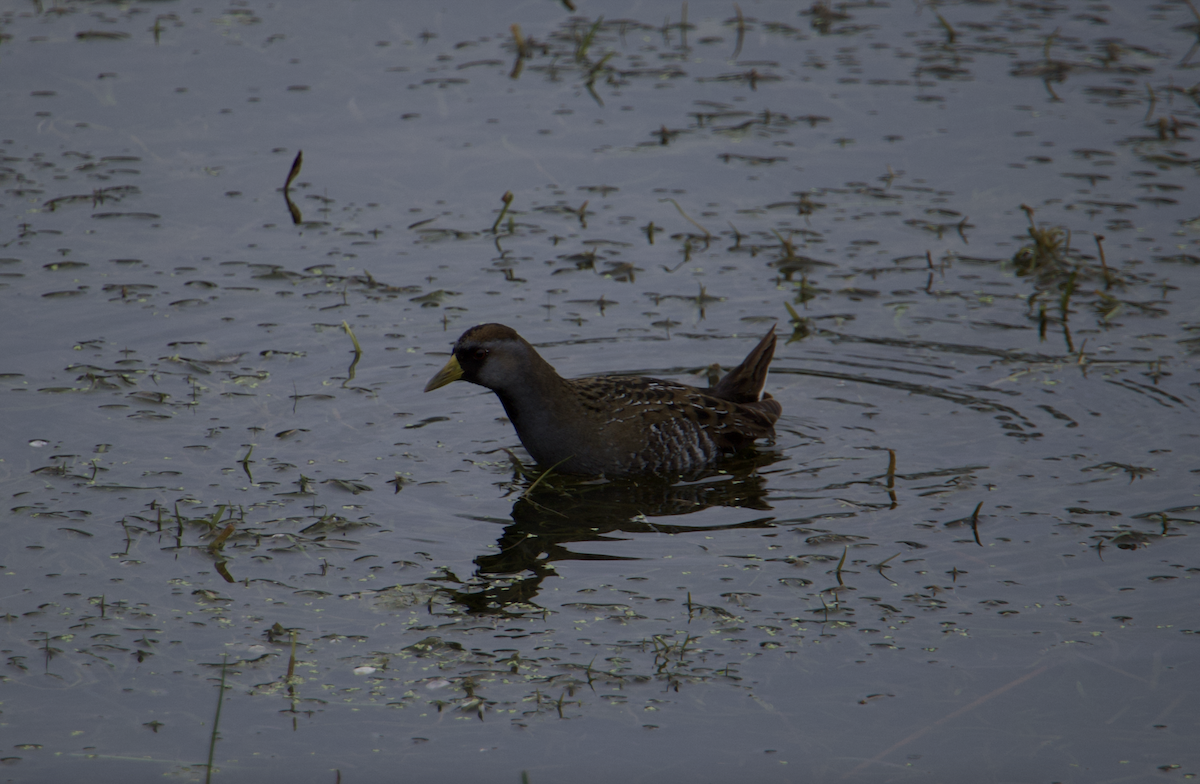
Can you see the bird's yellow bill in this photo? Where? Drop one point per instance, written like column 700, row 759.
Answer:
column 452, row 372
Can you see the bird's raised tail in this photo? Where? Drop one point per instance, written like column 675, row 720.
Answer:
column 744, row 384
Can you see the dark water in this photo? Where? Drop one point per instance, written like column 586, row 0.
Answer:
column 965, row 557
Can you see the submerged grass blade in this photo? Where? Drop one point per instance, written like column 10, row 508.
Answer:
column 358, row 352
column 707, row 233
column 212, row 740
column 741, row 31
column 294, row 172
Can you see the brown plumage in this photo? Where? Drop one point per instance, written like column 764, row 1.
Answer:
column 615, row 425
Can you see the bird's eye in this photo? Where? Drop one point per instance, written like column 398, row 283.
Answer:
column 479, row 354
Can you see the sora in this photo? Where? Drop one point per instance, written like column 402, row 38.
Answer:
column 615, row 425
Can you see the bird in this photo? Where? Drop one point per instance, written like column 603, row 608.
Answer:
column 616, row 426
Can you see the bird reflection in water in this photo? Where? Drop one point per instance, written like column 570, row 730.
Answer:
column 562, row 510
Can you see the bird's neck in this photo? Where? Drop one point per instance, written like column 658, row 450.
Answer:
column 534, row 399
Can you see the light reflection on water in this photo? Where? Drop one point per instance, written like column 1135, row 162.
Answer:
column 1008, row 600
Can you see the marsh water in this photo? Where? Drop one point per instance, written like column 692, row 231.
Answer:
column 239, row 543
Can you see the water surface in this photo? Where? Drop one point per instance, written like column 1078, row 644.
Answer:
column 965, row 556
